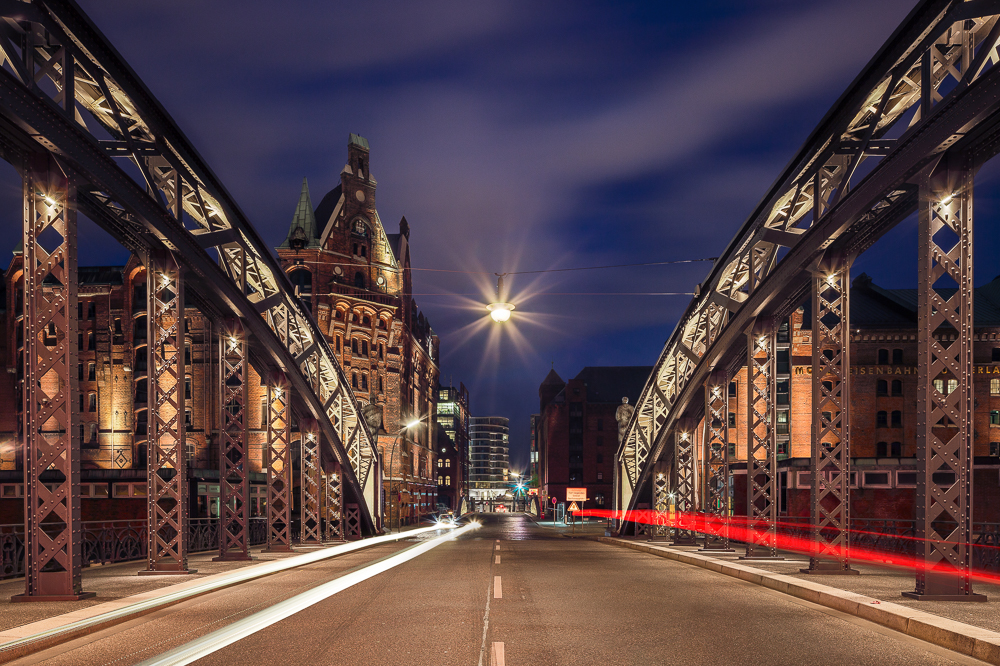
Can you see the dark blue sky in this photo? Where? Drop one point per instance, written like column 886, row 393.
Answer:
column 518, row 136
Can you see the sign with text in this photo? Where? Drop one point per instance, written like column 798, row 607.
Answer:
column 576, row 494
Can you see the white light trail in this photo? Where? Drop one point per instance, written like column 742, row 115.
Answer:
column 209, row 643
column 236, row 577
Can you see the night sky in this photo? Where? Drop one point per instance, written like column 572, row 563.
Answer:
column 517, row 136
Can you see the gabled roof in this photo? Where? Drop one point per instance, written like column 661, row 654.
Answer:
column 303, row 225
column 553, row 379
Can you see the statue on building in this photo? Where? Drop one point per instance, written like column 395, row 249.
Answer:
column 623, row 415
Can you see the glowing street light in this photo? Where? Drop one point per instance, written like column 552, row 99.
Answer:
column 499, row 310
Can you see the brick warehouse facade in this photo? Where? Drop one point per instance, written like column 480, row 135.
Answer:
column 386, row 346
column 356, row 280
column 575, row 432
column 884, row 395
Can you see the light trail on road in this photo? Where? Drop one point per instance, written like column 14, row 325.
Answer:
column 217, row 583
column 206, row 645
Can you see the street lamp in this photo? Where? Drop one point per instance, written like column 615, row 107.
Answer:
column 392, row 457
column 499, row 310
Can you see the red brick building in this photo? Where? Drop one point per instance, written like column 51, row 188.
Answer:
column 576, row 435
column 355, row 278
column 884, row 394
column 356, row 281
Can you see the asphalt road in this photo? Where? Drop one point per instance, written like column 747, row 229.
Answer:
column 521, row 591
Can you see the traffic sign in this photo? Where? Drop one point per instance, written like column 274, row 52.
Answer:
column 573, row 507
column 576, row 494
column 554, row 500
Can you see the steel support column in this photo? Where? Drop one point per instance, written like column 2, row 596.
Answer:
column 310, row 485
column 234, row 472
column 333, row 506
column 684, row 483
column 166, row 472
column 278, row 460
column 831, row 402
column 660, row 487
column 762, row 461
column 715, row 490
column 944, row 418
column 51, row 429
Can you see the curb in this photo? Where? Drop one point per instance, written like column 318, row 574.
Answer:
column 960, row 637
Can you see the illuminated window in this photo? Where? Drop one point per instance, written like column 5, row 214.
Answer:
column 995, row 386
column 939, row 385
column 952, row 385
column 995, row 418
column 440, row 463
column 447, row 480
column 440, row 480
column 447, row 463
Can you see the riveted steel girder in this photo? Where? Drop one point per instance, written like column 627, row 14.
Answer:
column 234, row 462
column 831, row 402
column 167, row 463
column 310, row 485
column 278, row 459
column 51, row 431
column 762, row 460
column 62, row 79
column 716, row 462
column 938, row 73
column 945, row 338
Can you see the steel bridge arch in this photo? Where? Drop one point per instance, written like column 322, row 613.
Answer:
column 66, row 92
column 853, row 180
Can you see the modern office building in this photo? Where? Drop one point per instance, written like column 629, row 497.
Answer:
column 453, row 452
column 489, row 451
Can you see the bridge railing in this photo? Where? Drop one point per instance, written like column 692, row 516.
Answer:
column 110, row 541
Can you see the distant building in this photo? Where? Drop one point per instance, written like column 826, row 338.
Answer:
column 453, row 451
column 489, row 450
column 576, row 434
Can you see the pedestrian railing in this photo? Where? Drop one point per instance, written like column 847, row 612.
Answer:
column 109, row 541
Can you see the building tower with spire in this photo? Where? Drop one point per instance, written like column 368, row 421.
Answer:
column 355, row 280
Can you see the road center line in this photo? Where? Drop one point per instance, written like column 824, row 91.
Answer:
column 496, row 655
column 497, row 588
column 216, row 640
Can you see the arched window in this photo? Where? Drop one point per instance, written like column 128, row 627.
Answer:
column 896, row 450
column 883, row 357
column 447, row 480
column 354, row 380
column 881, row 387
column 364, row 382
column 897, row 419
column 440, row 463
column 882, row 419
column 359, row 280
column 447, row 463
column 301, row 279
column 897, row 387
column 354, row 345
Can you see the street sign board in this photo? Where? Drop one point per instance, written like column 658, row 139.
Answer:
column 573, row 507
column 576, row 494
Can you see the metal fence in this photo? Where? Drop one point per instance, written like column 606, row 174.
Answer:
column 109, row 541
column 898, row 537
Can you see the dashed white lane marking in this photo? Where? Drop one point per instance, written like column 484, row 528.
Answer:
column 496, row 655
column 498, row 559
column 497, row 588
